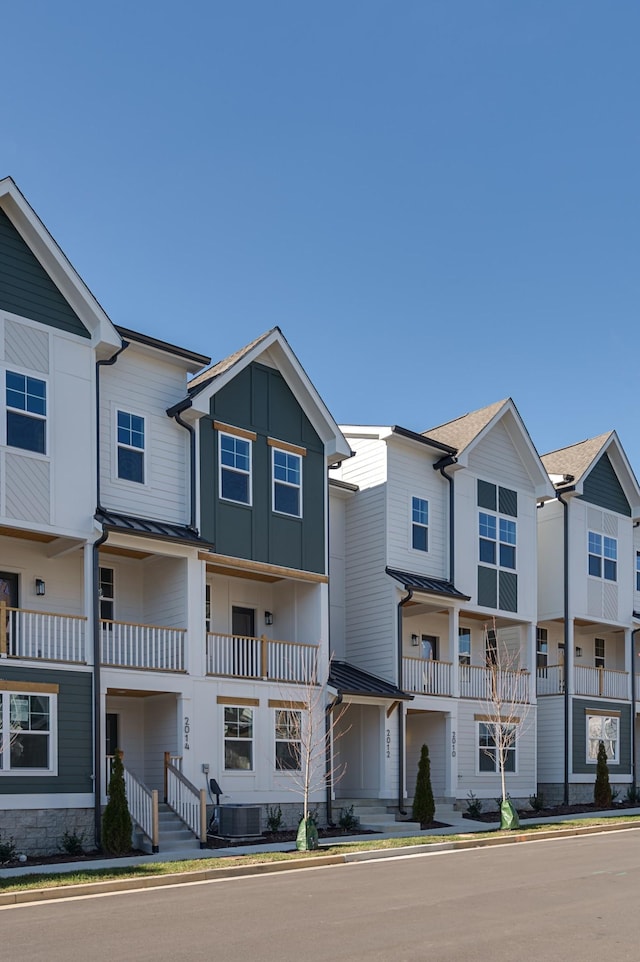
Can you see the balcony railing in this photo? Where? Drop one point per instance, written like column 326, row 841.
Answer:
column 486, row 684
column 41, row 635
column 426, row 677
column 550, row 680
column 597, row 682
column 241, row 656
column 126, row 645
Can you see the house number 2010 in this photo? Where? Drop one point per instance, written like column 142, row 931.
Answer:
column 187, row 729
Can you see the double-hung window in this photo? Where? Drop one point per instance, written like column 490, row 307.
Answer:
column 598, row 652
column 497, row 537
column 287, row 483
column 130, row 447
column 606, row 729
column 464, row 646
column 491, row 738
column 542, row 648
column 603, row 556
column 107, row 594
column 26, row 400
column 637, row 570
column 419, row 524
column 235, row 468
column 238, row 739
column 288, row 739
column 27, row 731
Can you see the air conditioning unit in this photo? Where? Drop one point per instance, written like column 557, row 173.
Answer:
column 238, row 821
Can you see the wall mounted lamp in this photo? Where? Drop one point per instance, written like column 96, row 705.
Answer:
column 414, row 640
column 40, row 586
column 268, row 618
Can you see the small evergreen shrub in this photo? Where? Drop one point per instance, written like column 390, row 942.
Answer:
column 348, row 821
column 602, row 788
column 274, row 818
column 424, row 806
column 474, row 806
column 633, row 795
column 8, row 851
column 116, row 821
column 72, row 844
column 536, row 802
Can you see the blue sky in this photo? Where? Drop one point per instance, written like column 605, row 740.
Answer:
column 438, row 201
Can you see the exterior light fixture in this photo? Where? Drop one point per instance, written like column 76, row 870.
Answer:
column 268, row 618
column 40, row 586
column 414, row 640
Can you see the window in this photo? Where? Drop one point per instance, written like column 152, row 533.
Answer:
column 26, row 399
column 288, row 739
column 599, row 652
column 26, row 732
column 235, row 468
column 637, row 570
column 238, row 739
column 419, row 524
column 207, row 608
column 464, row 646
column 488, row 748
column 491, row 647
column 287, row 483
column 603, row 557
column 497, row 540
column 130, row 447
column 106, row 594
column 603, row 728
column 542, row 648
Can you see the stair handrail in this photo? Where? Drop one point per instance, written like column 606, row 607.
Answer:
column 188, row 802
column 143, row 808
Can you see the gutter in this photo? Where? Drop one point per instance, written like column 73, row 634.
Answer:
column 633, row 707
column 106, row 363
column 567, row 653
column 328, row 754
column 401, row 604
column 440, row 466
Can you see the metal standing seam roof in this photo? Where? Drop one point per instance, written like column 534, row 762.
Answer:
column 147, row 528
column 349, row 680
column 431, row 586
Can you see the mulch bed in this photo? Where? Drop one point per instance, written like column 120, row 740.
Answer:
column 494, row 816
column 62, row 859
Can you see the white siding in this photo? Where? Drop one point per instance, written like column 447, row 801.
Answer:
column 160, row 732
column 487, row 785
column 369, row 467
column 337, row 573
column 426, row 728
column 550, row 561
column 496, row 457
column 63, row 577
column 145, row 386
column 165, row 594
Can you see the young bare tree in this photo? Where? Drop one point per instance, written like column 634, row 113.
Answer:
column 506, row 708
column 307, row 728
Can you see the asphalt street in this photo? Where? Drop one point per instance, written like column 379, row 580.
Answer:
column 556, row 901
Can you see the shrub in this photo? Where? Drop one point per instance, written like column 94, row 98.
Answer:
column 474, row 806
column 116, row 821
column 424, row 807
column 274, row 818
column 348, row 821
column 602, row 788
column 7, row 851
column 633, row 795
column 536, row 802
column 72, row 843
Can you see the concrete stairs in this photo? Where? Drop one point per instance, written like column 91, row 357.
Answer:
column 382, row 815
column 174, row 836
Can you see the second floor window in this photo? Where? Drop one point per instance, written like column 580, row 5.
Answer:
column 497, row 540
column 419, row 524
column 637, row 570
column 599, row 653
column 107, row 594
column 603, row 557
column 287, row 483
column 26, row 399
column 130, row 447
column 542, row 648
column 464, row 646
column 235, row 468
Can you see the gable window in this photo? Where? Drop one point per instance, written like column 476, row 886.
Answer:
column 26, row 399
column 130, row 447
column 542, row 648
column 288, row 739
column 27, row 727
column 598, row 650
column 235, row 468
column 464, row 646
column 606, row 729
column 419, row 524
column 287, row 483
column 489, row 748
column 603, row 556
column 238, row 739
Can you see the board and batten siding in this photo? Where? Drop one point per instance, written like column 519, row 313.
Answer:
column 602, row 487
column 410, row 474
column 146, row 386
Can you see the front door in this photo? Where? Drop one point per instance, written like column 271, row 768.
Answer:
column 246, row 656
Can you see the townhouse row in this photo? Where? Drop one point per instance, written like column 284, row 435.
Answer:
column 190, row 554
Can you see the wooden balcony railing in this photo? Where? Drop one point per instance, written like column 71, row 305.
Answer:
column 41, row 635
column 150, row 647
column 426, row 677
column 477, row 681
column 241, row 656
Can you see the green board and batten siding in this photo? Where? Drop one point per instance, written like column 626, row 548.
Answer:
column 75, row 733
column 602, row 487
column 259, row 399
column 26, row 288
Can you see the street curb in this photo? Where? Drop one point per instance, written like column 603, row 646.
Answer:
column 290, row 865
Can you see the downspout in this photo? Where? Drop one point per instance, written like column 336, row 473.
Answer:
column 328, row 755
column 440, row 466
column 401, row 604
column 565, row 505
column 633, row 707
column 106, row 363
column 192, row 449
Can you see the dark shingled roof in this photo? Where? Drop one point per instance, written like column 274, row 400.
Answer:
column 146, row 528
column 349, row 680
column 431, row 586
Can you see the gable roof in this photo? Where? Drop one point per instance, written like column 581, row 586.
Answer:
column 460, row 432
column 23, row 218
column 576, row 459
column 273, row 349
column 574, row 464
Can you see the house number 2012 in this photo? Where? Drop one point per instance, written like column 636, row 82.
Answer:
column 388, row 743
column 187, row 729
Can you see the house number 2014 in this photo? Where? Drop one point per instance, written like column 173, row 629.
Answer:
column 187, row 729
column 388, row 743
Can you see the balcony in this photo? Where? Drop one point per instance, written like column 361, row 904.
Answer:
column 144, row 647
column 596, row 682
column 427, row 677
column 42, row 635
column 241, row 656
column 488, row 684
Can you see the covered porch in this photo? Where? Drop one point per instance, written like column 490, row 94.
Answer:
column 599, row 663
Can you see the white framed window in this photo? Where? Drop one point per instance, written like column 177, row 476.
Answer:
column 606, row 729
column 603, row 556
column 238, row 738
column 235, row 468
column 130, row 447
column 28, row 728
column 497, row 540
column 419, row 524
column 107, row 593
column 26, row 402
column 637, row 570
column 287, row 482
column 598, row 652
column 464, row 646
column 288, row 731
column 488, row 754
column 542, row 647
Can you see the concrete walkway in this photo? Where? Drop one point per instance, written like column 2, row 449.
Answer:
column 456, row 825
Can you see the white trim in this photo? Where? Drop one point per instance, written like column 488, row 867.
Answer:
column 239, row 771
column 481, row 772
column 248, row 474
column 52, row 735
column 286, row 484
column 419, row 524
column 117, row 408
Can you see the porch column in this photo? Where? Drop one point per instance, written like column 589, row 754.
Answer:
column 628, row 662
column 195, row 654
column 454, row 623
column 569, row 659
column 451, row 753
column 87, row 567
column 529, row 648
